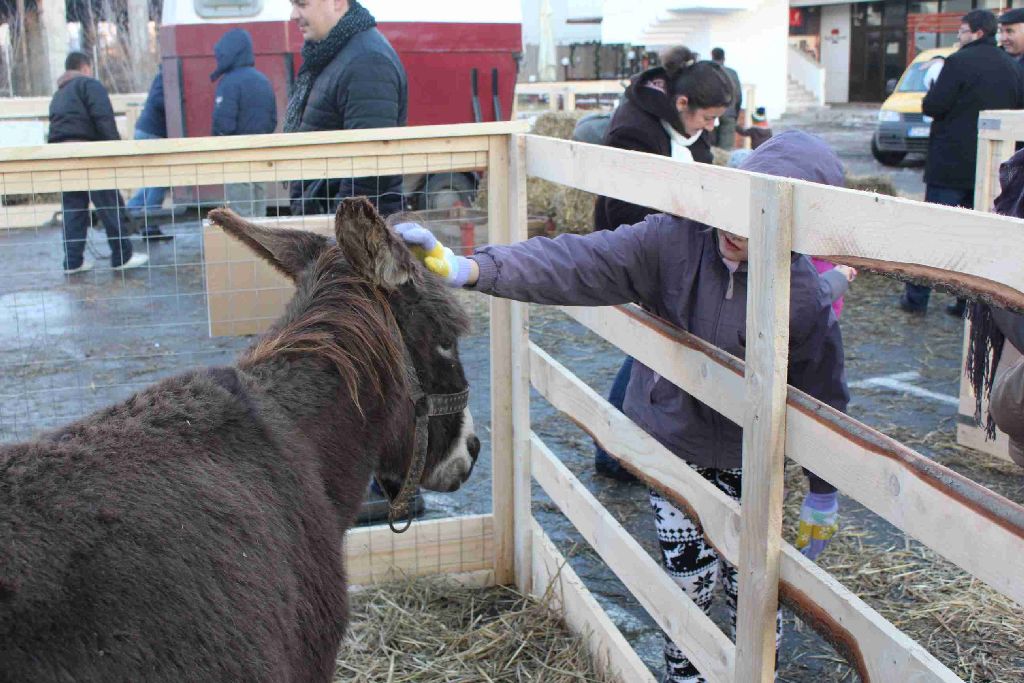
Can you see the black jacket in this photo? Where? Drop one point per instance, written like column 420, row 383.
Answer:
column 364, row 86
column 153, row 119
column 244, row 103
column 636, row 126
column 80, row 111
column 978, row 76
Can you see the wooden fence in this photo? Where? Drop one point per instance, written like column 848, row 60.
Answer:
column 562, row 95
column 998, row 134
column 943, row 510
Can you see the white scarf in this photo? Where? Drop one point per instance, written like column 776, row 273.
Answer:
column 680, row 144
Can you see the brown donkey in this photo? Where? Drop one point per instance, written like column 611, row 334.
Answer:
column 193, row 532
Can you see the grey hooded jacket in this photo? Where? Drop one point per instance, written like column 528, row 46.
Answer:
column 672, row 267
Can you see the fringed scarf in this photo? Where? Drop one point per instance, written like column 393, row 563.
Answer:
column 985, row 346
column 317, row 55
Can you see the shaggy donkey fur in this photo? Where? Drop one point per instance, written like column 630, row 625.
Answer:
column 193, row 532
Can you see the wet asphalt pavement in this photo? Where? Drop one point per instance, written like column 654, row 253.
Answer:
column 69, row 345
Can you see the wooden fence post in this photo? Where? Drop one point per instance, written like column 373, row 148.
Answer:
column 764, row 429
column 522, row 493
column 502, row 447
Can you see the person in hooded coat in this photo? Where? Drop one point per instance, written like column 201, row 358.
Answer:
column 243, row 105
column 695, row 277
column 80, row 111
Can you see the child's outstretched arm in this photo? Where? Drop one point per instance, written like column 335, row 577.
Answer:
column 602, row 268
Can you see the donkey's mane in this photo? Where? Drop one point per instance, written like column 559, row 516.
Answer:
column 346, row 321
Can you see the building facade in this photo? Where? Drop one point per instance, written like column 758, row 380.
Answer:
column 860, row 46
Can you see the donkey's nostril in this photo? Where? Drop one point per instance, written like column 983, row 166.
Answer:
column 473, row 445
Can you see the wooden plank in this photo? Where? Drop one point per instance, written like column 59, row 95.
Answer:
column 383, row 137
column 555, row 580
column 478, row 579
column 945, row 511
column 452, row 545
column 876, row 648
column 964, row 248
column 764, row 429
column 692, row 631
column 710, row 375
column 502, row 429
column 983, row 177
column 606, row 87
column 233, row 167
column 245, row 295
column 698, row 191
column 960, row 247
column 1001, row 124
column 522, row 494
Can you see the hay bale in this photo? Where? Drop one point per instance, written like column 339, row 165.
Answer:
column 880, row 184
column 434, row 630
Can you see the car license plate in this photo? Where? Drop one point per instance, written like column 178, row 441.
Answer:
column 919, row 132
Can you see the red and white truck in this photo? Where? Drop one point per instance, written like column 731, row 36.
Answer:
column 461, row 58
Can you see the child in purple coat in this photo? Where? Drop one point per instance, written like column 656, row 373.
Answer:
column 695, row 277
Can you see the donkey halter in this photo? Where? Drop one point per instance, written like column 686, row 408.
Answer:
column 425, row 407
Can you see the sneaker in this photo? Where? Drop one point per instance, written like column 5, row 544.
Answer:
column 137, row 260
column 84, row 268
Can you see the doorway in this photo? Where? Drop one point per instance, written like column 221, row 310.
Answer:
column 878, row 48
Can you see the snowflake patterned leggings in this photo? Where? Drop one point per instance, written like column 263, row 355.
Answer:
column 694, row 564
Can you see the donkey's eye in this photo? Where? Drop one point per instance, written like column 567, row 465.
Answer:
column 446, row 351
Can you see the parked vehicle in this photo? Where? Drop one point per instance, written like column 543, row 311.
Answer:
column 902, row 126
column 461, row 57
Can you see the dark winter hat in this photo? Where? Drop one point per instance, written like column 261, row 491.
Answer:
column 1013, row 16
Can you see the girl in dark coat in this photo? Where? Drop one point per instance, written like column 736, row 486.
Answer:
column 669, row 110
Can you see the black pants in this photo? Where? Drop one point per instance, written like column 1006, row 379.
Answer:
column 111, row 211
column 918, row 295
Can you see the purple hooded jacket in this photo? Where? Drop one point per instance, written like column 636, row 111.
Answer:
column 672, row 267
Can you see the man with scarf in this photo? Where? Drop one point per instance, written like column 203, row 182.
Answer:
column 350, row 78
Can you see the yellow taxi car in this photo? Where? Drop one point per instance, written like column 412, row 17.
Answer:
column 902, row 127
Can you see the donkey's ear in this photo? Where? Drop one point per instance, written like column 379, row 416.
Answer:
column 373, row 250
column 289, row 251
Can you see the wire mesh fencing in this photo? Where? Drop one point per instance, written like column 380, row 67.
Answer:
column 114, row 280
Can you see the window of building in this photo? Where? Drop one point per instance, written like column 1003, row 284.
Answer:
column 209, row 9
column 924, row 7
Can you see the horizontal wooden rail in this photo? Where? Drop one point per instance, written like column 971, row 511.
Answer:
column 958, row 247
column 947, row 512
column 1001, row 124
column 874, row 646
column 384, row 136
column 453, row 545
column 245, row 164
column 609, row 649
column 693, row 632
